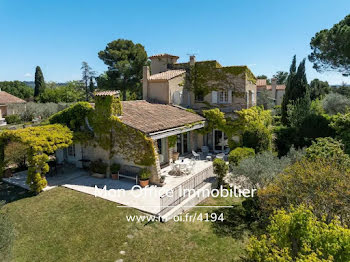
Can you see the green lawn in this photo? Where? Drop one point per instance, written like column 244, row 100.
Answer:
column 65, row 225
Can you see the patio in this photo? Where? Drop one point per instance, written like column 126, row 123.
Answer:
column 123, row 192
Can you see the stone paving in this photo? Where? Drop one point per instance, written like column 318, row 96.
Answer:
column 123, row 191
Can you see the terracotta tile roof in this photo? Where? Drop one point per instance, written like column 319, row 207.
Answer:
column 167, row 75
column 148, row 117
column 261, row 82
column 6, row 98
column 107, row 93
column 164, row 55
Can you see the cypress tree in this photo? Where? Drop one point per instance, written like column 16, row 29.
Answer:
column 39, row 82
column 296, row 87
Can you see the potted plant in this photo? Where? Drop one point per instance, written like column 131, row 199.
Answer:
column 144, row 177
column 115, row 171
column 98, row 169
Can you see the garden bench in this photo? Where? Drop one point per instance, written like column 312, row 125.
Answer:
column 130, row 172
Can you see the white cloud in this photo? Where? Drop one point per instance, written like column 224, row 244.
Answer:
column 27, row 75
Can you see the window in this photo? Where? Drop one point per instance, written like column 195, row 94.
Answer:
column 223, row 97
column 71, row 150
column 199, row 97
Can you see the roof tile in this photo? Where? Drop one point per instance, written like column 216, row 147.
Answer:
column 6, row 98
column 148, row 117
column 167, row 75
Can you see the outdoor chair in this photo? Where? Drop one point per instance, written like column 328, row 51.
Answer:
column 196, row 155
column 205, row 151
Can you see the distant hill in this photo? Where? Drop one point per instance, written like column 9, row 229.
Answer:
column 336, row 86
column 32, row 83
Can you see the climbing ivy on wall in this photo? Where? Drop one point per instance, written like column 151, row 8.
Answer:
column 41, row 141
column 204, row 77
column 109, row 132
column 247, row 119
column 172, row 141
column 118, row 138
column 73, row 116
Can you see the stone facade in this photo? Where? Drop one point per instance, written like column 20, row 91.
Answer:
column 275, row 91
column 233, row 90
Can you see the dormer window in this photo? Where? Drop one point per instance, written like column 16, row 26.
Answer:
column 223, row 97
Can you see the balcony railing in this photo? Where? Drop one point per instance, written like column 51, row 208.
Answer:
column 182, row 191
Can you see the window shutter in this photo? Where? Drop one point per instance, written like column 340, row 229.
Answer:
column 229, row 96
column 214, row 97
column 253, row 97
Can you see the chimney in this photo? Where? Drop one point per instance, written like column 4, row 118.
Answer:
column 192, row 60
column 273, row 88
column 145, row 77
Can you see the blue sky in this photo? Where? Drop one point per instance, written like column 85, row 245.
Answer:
column 59, row 35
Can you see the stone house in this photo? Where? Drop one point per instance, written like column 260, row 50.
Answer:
column 275, row 91
column 10, row 105
column 199, row 86
column 157, row 122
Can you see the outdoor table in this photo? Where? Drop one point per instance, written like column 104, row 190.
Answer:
column 183, row 162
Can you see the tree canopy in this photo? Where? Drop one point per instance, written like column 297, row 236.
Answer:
column 331, row 48
column 87, row 76
column 125, row 61
column 281, row 77
column 17, row 88
column 318, row 89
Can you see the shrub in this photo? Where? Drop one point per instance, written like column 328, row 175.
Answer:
column 341, row 125
column 43, row 110
column 172, row 141
column 328, row 148
column 299, row 236
column 313, row 126
column 334, row 103
column 261, row 169
column 238, row 154
column 115, row 168
column 285, row 139
column 98, row 167
column 320, row 183
column 298, row 110
column 16, row 154
column 13, row 119
column 145, row 174
column 73, row 116
column 6, row 236
column 220, row 169
column 258, row 137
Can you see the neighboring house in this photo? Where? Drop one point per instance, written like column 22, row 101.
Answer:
column 276, row 92
column 199, row 86
column 156, row 121
column 10, row 105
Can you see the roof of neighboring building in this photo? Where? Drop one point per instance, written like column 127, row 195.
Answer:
column 148, row 117
column 107, row 93
column 261, row 82
column 167, row 75
column 6, row 98
column 164, row 55
column 269, row 87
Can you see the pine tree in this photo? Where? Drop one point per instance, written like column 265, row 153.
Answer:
column 296, row 87
column 39, row 82
column 91, row 85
